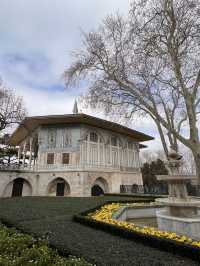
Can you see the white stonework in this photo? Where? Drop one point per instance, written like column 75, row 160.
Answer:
column 71, row 159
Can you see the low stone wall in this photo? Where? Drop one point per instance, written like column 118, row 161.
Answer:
column 185, row 226
column 129, row 212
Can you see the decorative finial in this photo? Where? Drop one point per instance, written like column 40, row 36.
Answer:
column 75, row 108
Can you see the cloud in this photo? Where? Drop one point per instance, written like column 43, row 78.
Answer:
column 43, row 102
column 37, row 38
column 50, row 28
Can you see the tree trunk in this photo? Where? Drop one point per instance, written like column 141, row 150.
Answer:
column 162, row 137
column 196, row 154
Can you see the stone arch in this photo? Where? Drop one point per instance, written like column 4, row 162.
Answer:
column 18, row 187
column 58, row 187
column 99, row 187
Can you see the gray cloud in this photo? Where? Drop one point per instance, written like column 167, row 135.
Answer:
column 37, row 37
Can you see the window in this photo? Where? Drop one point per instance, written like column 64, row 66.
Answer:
column 136, row 146
column 130, row 145
column 93, row 137
column 113, row 141
column 50, row 158
column 65, row 158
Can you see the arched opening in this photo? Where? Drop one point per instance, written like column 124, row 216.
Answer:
column 17, row 188
column 99, row 187
column 59, row 187
column 97, row 191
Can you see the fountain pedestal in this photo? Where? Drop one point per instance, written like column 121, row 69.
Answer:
column 182, row 213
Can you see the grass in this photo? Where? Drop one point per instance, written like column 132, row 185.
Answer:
column 53, row 219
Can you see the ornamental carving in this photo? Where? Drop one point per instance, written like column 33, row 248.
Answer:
column 52, row 138
column 66, row 138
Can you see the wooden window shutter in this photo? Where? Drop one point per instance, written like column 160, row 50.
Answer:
column 65, row 158
column 50, row 158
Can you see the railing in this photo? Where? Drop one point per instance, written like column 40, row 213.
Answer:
column 83, row 166
column 13, row 167
column 157, row 189
column 74, row 166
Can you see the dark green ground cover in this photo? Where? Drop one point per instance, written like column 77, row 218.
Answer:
column 53, row 218
column 19, row 249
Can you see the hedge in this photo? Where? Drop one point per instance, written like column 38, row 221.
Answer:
column 138, row 195
column 52, row 218
column 163, row 244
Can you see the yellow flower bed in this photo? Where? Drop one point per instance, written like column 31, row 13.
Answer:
column 105, row 213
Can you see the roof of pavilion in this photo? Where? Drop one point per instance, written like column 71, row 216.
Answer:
column 29, row 124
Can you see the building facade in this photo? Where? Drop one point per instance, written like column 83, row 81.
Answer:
column 72, row 155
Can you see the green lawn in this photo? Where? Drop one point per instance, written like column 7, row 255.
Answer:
column 52, row 218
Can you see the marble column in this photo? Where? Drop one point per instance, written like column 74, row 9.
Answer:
column 24, row 153
column 30, row 150
column 118, row 155
column 128, row 157
column 98, row 152
column 19, row 153
column 88, row 153
column 103, row 150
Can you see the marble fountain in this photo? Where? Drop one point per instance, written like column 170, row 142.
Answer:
column 178, row 212
column 181, row 213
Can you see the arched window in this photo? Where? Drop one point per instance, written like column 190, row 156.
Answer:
column 94, row 137
column 115, row 141
column 130, row 145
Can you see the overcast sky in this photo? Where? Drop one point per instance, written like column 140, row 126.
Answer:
column 36, row 38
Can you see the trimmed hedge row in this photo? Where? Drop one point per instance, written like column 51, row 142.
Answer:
column 163, row 244
column 138, row 195
column 52, row 218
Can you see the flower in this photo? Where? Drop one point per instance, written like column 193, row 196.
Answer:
column 105, row 215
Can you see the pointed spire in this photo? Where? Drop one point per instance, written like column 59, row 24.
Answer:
column 75, row 108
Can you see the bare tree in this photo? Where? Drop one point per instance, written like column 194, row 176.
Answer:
column 150, row 156
column 149, row 63
column 12, row 110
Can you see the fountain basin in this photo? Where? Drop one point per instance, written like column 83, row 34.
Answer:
column 138, row 214
column 181, row 207
column 145, row 215
column 190, row 202
column 176, row 177
column 188, row 226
